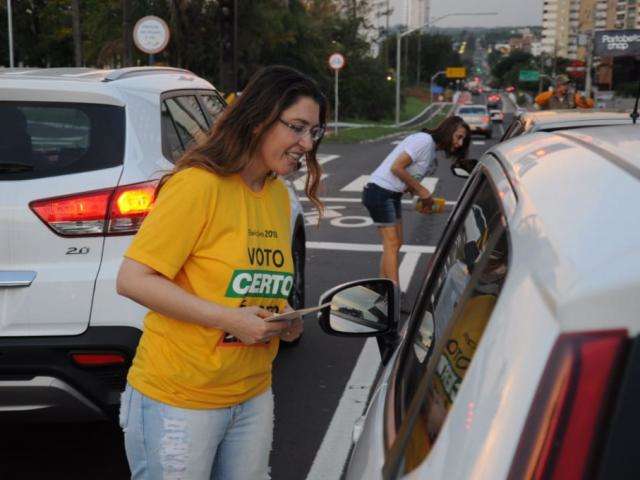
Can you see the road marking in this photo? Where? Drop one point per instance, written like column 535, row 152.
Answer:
column 356, row 200
column 501, row 129
column 396, row 142
column 357, row 185
column 322, row 159
column 336, row 443
column 366, row 247
column 478, row 142
column 298, row 184
column 429, row 183
column 407, row 267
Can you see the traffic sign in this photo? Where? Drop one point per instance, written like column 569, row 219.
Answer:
column 456, row 72
column 529, row 75
column 151, row 34
column 576, row 69
column 336, row 61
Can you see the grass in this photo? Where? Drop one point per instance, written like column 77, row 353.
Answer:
column 362, row 134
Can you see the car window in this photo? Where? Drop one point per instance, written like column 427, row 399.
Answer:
column 41, row 139
column 515, row 129
column 213, row 107
column 472, row 111
column 462, row 292
column 183, row 125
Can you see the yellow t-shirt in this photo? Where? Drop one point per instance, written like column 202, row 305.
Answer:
column 219, row 240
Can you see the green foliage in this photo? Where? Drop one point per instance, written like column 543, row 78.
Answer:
column 507, row 70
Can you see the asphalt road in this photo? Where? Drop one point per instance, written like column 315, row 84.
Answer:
column 310, row 379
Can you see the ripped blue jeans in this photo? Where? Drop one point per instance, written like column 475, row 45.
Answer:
column 170, row 443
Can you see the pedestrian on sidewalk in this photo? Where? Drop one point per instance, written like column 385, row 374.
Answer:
column 212, row 262
column 401, row 171
column 563, row 97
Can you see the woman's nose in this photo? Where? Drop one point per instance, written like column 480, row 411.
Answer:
column 306, row 142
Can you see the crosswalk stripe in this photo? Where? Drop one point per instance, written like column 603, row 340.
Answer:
column 322, row 159
column 356, row 185
column 298, row 184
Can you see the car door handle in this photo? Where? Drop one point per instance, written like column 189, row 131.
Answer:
column 16, row 278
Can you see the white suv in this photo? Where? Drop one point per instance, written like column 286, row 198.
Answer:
column 521, row 357
column 80, row 151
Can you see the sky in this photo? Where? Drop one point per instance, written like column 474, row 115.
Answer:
column 510, row 12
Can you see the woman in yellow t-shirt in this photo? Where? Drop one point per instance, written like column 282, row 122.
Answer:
column 212, row 262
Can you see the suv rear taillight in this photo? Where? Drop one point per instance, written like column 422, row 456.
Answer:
column 112, row 211
column 570, row 408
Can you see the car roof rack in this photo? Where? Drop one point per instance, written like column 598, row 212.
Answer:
column 129, row 72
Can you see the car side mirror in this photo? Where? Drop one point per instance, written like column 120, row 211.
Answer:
column 463, row 168
column 364, row 308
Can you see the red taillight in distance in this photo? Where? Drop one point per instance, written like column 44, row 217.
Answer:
column 570, row 408
column 112, row 211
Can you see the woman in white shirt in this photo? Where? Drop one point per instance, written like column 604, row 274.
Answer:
column 401, row 171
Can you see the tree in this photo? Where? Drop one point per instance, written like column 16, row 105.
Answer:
column 77, row 32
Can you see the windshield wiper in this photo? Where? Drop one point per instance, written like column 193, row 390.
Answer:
column 15, row 167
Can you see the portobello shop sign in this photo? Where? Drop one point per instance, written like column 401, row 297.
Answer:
column 617, row 43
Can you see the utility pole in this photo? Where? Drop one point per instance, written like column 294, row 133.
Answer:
column 10, row 20
column 127, row 34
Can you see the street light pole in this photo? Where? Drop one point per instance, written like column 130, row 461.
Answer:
column 399, row 36
column 433, row 79
column 10, row 20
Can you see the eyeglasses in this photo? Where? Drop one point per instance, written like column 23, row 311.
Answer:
column 315, row 133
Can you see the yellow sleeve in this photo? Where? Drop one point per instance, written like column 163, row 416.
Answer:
column 171, row 231
column 543, row 98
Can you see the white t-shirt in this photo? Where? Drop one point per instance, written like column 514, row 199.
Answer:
column 422, row 150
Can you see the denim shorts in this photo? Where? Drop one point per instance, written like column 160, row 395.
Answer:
column 167, row 442
column 383, row 205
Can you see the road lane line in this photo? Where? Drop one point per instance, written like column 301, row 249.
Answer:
column 406, row 269
column 357, row 200
column 336, row 444
column 478, row 142
column 366, row 247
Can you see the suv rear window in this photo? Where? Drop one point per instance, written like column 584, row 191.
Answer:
column 46, row 139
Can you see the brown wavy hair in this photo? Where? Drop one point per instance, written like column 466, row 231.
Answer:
column 237, row 134
column 443, row 136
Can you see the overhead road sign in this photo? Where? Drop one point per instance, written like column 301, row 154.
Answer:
column 456, row 72
column 617, row 43
column 529, row 75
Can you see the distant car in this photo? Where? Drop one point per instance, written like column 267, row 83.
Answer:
column 81, row 151
column 521, row 356
column 496, row 116
column 477, row 117
column 510, row 89
column 551, row 120
column 494, row 101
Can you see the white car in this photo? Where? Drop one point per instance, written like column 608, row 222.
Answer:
column 496, row 115
column 80, row 153
column 552, row 120
column 521, row 357
column 477, row 117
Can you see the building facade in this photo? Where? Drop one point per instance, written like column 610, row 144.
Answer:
column 392, row 14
